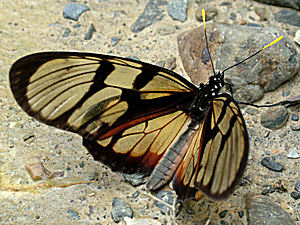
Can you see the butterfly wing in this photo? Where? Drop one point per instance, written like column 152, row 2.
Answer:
column 217, row 155
column 123, row 108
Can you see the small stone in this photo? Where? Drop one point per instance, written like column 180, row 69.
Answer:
column 81, row 198
column 114, row 40
column 81, row 164
column 89, row 34
column 73, row 213
column 288, row 16
column 262, row 210
column 271, row 164
column 189, row 210
column 166, row 29
column 253, row 25
column 93, row 176
column 295, row 195
column 295, row 117
column 232, row 16
column 177, row 9
column 28, row 136
column 166, row 196
column 66, row 33
column 285, row 93
column 135, row 194
column 223, row 222
column 297, row 186
column 223, row 213
column 37, row 171
column 274, row 118
column 262, row 12
column 134, row 179
column 265, row 191
column 295, row 128
column 241, row 213
column 297, row 37
column 210, row 13
column 120, row 210
column 152, row 13
column 170, row 63
column 293, row 155
column 251, row 111
column 294, row 4
column 73, row 11
column 161, row 63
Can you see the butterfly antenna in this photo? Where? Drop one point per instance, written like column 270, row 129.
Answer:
column 268, row 45
column 204, row 24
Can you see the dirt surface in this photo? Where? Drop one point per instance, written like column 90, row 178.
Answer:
column 32, row 26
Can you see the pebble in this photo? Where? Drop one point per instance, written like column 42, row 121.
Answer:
column 295, row 117
column 288, row 16
column 274, row 118
column 295, row 195
column 166, row 196
column 66, row 32
column 166, row 29
column 295, row 4
column 73, row 11
column 114, row 40
column 271, row 164
column 93, row 176
column 261, row 210
column 135, row 194
column 285, row 93
column 297, row 37
column 241, row 213
column 152, row 13
column 262, row 12
column 89, row 34
column 134, row 179
column 223, row 213
column 177, row 9
column 28, row 136
column 251, row 111
column 170, row 63
column 295, row 128
column 120, row 210
column 210, row 13
column 297, row 186
column 73, row 213
column 232, row 16
column 37, row 171
column 223, row 222
column 293, row 155
column 268, row 189
column 253, row 25
column 249, row 93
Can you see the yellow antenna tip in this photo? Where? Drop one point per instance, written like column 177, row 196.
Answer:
column 273, row 42
column 203, row 18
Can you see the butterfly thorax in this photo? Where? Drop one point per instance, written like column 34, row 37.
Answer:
column 206, row 93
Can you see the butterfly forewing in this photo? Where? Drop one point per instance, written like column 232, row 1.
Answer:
column 95, row 95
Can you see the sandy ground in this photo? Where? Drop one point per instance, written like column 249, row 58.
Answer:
column 32, row 26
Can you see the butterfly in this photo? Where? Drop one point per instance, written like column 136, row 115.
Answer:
column 134, row 116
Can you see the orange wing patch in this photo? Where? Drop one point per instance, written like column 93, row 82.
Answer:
column 140, row 146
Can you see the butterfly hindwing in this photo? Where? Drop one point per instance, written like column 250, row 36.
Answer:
column 217, row 154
